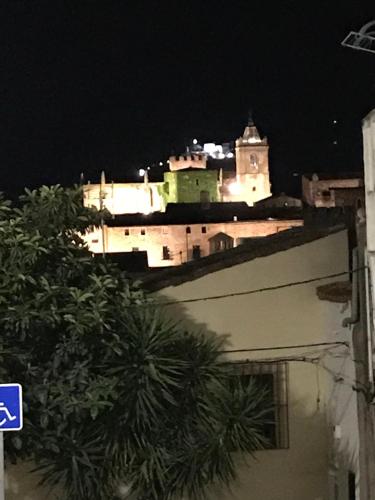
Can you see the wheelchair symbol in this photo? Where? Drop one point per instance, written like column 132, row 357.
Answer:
column 5, row 410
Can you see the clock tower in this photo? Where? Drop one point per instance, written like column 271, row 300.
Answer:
column 252, row 165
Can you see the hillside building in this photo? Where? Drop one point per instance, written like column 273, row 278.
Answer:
column 207, row 175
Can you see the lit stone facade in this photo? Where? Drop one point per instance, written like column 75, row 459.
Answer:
column 252, row 169
column 333, row 190
column 175, row 244
column 190, row 186
column 129, row 198
column 187, row 161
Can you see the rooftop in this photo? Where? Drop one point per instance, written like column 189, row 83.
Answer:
column 251, row 250
column 195, row 213
column 334, row 175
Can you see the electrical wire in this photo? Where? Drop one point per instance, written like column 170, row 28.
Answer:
column 295, row 346
column 246, row 292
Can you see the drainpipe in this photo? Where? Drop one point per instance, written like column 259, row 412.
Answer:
column 355, row 278
column 369, row 317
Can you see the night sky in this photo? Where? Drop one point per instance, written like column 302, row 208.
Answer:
column 115, row 85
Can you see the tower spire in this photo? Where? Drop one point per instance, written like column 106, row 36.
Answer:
column 250, row 120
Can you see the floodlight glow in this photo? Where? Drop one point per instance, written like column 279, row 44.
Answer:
column 195, row 141
column 141, row 172
column 234, row 188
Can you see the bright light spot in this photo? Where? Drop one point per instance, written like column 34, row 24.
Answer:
column 335, row 121
column 148, row 168
column 234, row 188
column 195, row 141
column 230, row 155
column 160, row 163
column 221, row 155
column 168, row 162
column 141, row 172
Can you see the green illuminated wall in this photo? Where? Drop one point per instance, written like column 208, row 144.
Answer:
column 190, row 186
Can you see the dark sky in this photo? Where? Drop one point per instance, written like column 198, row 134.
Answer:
column 91, row 85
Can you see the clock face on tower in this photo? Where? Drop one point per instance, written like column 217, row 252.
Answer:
column 254, row 162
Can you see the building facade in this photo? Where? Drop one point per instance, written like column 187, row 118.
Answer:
column 174, row 244
column 295, row 338
column 190, row 186
column 333, row 190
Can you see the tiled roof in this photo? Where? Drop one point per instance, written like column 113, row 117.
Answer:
column 259, row 247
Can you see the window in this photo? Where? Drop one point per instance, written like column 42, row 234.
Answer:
column 94, row 241
column 273, row 378
column 197, row 182
column 166, row 253
column 204, row 196
column 135, row 249
column 126, row 232
column 254, row 160
column 196, row 252
column 204, row 230
column 166, row 187
column 143, row 231
column 254, row 188
column 188, row 230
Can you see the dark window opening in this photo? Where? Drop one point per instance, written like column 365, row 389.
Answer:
column 197, row 182
column 204, row 229
column 188, row 230
column 196, row 252
column 254, row 188
column 204, row 197
column 94, row 241
column 166, row 253
column 126, row 232
column 143, row 231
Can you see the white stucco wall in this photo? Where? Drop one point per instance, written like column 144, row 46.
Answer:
column 318, row 398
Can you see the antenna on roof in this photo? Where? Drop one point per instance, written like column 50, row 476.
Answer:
column 364, row 39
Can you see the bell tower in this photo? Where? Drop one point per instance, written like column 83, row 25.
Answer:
column 252, row 165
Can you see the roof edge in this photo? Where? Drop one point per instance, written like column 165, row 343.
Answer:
column 269, row 245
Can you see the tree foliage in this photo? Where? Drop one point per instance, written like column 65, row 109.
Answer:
column 118, row 401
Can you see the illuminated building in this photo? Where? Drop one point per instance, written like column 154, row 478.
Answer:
column 220, row 176
column 189, row 231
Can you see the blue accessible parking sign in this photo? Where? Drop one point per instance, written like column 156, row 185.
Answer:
column 10, row 407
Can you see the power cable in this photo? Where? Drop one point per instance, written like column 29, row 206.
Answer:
column 296, row 346
column 247, row 292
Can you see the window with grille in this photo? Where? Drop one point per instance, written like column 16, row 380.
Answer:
column 274, row 378
column 166, row 253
